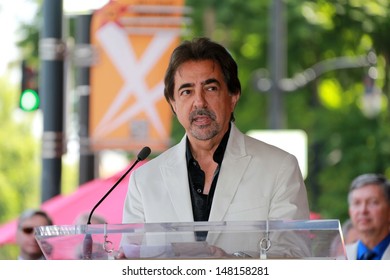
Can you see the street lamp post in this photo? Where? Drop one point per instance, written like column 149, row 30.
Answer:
column 82, row 58
column 277, row 64
column 52, row 53
column 87, row 158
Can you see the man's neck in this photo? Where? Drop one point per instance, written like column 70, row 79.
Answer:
column 371, row 239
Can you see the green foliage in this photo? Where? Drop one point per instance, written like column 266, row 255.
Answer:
column 351, row 145
column 343, row 143
column 9, row 252
column 19, row 154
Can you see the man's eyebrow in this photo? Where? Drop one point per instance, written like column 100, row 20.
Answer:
column 186, row 85
column 206, row 82
column 211, row 81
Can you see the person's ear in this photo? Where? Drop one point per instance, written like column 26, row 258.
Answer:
column 172, row 103
column 234, row 100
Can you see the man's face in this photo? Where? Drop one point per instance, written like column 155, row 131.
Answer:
column 26, row 238
column 202, row 102
column 369, row 210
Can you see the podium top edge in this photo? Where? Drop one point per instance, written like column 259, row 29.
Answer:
column 227, row 226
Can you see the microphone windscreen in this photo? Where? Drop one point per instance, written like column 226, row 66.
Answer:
column 144, row 153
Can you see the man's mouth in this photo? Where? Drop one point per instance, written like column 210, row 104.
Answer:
column 202, row 117
column 201, row 120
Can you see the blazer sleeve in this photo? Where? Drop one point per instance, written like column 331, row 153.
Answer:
column 133, row 211
column 290, row 197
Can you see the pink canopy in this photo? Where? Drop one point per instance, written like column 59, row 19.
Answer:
column 64, row 209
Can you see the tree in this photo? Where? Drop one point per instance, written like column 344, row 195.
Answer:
column 343, row 143
column 20, row 156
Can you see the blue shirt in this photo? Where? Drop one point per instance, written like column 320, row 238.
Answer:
column 378, row 250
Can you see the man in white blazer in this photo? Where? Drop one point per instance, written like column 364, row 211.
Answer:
column 215, row 173
column 257, row 181
column 369, row 210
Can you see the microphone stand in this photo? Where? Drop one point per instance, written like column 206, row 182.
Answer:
column 88, row 242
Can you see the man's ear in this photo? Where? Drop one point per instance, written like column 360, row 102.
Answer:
column 235, row 99
column 173, row 106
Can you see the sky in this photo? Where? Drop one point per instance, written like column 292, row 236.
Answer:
column 11, row 16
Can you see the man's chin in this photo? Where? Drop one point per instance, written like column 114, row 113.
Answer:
column 365, row 228
column 203, row 132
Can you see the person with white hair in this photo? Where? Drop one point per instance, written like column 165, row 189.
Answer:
column 369, row 210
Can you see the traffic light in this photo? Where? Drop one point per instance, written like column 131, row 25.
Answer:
column 29, row 98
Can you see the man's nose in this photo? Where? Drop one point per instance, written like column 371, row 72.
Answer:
column 200, row 99
column 364, row 207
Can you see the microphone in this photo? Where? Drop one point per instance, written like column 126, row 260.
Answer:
column 87, row 245
column 143, row 154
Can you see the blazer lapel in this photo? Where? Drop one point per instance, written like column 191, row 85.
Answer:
column 235, row 158
column 174, row 174
column 386, row 254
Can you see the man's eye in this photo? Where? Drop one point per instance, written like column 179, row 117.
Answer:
column 211, row 88
column 185, row 92
column 374, row 202
column 355, row 203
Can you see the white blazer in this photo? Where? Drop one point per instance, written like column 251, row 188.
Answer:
column 257, row 181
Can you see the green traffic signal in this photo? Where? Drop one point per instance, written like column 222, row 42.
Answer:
column 29, row 100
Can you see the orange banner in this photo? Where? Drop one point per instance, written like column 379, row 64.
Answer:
column 133, row 40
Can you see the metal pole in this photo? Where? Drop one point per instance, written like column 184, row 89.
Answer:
column 277, row 62
column 52, row 54
column 87, row 157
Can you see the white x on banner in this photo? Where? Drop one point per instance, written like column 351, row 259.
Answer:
column 115, row 42
column 133, row 41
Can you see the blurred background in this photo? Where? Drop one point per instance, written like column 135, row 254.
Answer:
column 317, row 67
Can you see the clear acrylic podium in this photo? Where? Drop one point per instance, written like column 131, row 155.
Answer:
column 309, row 239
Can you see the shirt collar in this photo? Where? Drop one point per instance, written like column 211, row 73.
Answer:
column 378, row 249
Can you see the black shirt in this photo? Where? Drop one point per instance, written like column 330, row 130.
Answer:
column 201, row 203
